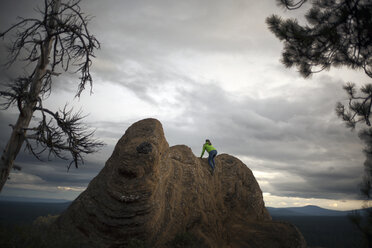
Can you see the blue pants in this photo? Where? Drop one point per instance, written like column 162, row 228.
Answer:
column 211, row 156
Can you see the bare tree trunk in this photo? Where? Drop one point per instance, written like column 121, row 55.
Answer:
column 19, row 129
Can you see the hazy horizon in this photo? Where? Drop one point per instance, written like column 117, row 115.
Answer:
column 63, row 201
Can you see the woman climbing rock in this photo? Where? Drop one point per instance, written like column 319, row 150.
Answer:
column 212, row 153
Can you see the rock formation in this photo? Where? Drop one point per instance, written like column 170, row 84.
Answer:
column 151, row 192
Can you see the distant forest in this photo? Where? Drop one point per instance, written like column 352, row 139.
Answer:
column 326, row 231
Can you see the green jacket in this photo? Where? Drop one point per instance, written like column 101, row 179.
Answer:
column 207, row 147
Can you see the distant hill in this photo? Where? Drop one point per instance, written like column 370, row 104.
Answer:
column 29, row 199
column 321, row 227
column 305, row 211
column 17, row 212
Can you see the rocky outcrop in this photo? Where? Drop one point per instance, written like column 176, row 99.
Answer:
column 151, row 192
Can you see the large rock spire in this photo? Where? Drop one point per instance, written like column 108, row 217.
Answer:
column 151, row 192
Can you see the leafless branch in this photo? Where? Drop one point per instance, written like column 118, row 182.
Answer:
column 56, row 42
column 60, row 133
column 72, row 42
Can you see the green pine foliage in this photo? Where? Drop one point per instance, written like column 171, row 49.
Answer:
column 338, row 33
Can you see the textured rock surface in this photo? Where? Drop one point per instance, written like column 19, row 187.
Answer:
column 150, row 191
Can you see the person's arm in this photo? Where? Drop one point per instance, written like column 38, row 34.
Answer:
column 202, row 151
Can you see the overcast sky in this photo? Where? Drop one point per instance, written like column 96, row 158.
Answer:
column 205, row 69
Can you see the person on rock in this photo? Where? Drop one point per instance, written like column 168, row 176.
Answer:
column 212, row 153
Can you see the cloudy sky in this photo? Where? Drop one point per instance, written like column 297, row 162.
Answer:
column 205, row 69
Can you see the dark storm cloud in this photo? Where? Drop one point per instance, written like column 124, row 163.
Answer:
column 11, row 13
column 138, row 37
column 51, row 176
column 166, row 24
column 318, row 180
column 309, row 145
column 47, row 174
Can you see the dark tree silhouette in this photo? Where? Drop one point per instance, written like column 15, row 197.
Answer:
column 56, row 41
column 338, row 33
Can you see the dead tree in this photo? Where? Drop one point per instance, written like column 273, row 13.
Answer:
column 52, row 44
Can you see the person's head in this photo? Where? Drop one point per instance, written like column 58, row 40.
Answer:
column 208, row 141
